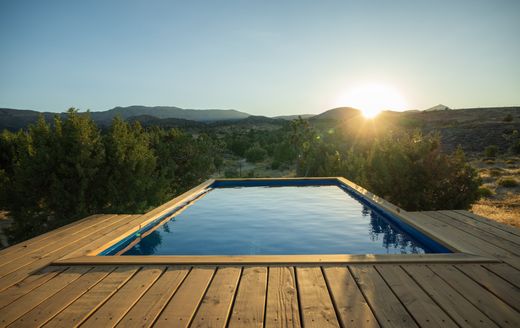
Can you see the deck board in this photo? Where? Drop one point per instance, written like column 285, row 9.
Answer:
column 467, row 292
column 216, row 305
column 249, row 306
column 122, row 301
column 282, row 298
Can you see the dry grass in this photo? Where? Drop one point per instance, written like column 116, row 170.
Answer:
column 503, row 205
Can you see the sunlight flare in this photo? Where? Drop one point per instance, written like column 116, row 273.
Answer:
column 372, row 99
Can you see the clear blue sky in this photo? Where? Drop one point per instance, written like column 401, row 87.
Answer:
column 262, row 57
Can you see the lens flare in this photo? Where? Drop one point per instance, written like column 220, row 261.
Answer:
column 372, row 99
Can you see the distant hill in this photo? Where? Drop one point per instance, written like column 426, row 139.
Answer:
column 294, row 117
column 14, row 119
column 148, row 120
column 337, row 114
column 439, row 107
column 199, row 115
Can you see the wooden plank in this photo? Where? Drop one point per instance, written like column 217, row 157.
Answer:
column 186, row 300
column 351, row 307
column 506, row 272
column 27, row 302
column 498, row 286
column 483, row 226
column 19, row 269
column 59, row 301
column 51, row 246
column 424, row 310
column 493, row 307
column 282, row 298
column 316, row 305
column 147, row 309
column 75, row 313
column 277, row 259
column 216, row 305
column 505, row 227
column 485, row 236
column 46, row 246
column 467, row 242
column 248, row 309
column 22, row 246
column 113, row 310
column 453, row 303
column 386, row 306
column 109, row 238
column 22, row 272
column 28, row 284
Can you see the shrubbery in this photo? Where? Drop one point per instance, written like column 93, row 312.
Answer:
column 407, row 169
column 53, row 174
column 255, row 154
column 507, row 182
column 491, row 151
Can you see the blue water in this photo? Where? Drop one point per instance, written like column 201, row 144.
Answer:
column 277, row 220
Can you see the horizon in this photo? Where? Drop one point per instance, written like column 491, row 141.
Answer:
column 262, row 58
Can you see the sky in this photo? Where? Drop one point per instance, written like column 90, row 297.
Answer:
column 270, row 57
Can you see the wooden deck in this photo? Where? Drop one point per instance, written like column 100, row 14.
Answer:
column 35, row 292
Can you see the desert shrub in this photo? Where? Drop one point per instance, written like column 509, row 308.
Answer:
column 410, row 170
column 485, row 192
column 231, row 173
column 407, row 169
column 58, row 173
column 507, row 182
column 255, row 154
column 495, row 171
column 275, row 165
column 491, row 151
column 508, row 118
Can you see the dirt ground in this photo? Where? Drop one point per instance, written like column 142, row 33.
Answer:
column 503, row 202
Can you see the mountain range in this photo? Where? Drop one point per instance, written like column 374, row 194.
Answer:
column 169, row 116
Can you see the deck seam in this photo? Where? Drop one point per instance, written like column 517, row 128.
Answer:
column 202, row 297
column 370, row 305
column 80, row 295
column 473, row 234
column 298, row 296
column 332, row 299
column 429, row 295
column 486, row 288
column 226, row 324
column 98, row 306
column 503, row 278
column 397, row 296
column 266, row 296
column 171, row 297
column 516, row 233
column 463, row 296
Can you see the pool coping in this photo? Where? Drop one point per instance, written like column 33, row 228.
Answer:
column 458, row 253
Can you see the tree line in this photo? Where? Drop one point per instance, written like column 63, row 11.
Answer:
column 53, row 174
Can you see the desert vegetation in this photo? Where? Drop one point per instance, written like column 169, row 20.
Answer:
column 57, row 171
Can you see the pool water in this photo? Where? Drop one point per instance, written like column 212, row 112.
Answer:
column 274, row 221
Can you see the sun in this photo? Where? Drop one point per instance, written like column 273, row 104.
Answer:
column 372, row 99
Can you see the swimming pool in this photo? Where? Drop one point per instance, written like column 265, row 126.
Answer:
column 276, row 217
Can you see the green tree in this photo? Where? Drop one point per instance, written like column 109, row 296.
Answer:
column 55, row 174
column 255, row 154
column 410, row 170
column 131, row 180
